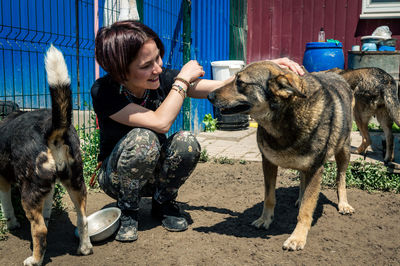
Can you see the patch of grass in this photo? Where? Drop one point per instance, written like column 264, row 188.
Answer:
column 224, row 160
column 364, row 175
column 375, row 127
column 3, row 230
column 204, row 157
column 90, row 147
column 59, row 192
column 395, row 128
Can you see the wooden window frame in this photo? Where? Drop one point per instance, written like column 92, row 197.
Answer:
column 391, row 9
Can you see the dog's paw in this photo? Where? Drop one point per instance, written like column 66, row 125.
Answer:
column 85, row 249
column 30, row 261
column 13, row 224
column 293, row 243
column 261, row 222
column 345, row 208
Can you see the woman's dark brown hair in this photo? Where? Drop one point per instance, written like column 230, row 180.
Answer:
column 117, row 46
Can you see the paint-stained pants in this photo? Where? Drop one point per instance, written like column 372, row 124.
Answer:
column 139, row 166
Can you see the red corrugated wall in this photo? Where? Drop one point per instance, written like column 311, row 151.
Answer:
column 281, row 28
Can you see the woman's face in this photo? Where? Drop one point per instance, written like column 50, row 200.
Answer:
column 144, row 71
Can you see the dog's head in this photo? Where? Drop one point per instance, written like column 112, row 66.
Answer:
column 258, row 86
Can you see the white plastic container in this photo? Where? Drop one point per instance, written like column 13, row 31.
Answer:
column 224, row 69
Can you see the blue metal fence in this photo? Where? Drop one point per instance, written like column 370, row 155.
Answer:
column 28, row 27
column 210, row 42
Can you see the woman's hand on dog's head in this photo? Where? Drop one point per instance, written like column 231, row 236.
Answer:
column 287, row 63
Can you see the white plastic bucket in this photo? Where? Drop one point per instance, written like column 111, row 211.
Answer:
column 224, row 69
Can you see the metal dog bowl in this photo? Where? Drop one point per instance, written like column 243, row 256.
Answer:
column 102, row 224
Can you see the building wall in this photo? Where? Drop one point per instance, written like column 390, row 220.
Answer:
column 281, row 28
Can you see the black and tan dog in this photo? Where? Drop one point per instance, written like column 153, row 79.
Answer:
column 303, row 121
column 375, row 94
column 36, row 148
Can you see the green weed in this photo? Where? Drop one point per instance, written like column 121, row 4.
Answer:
column 374, row 127
column 364, row 175
column 204, row 157
column 3, row 230
column 90, row 149
column 210, row 123
column 395, row 128
column 224, row 160
column 354, row 126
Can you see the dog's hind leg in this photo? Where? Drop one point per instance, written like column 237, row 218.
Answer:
column 270, row 171
column 33, row 212
column 298, row 238
column 342, row 158
column 78, row 197
column 362, row 119
column 6, row 205
column 386, row 123
column 48, row 203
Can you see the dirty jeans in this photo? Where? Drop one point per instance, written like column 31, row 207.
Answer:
column 139, row 166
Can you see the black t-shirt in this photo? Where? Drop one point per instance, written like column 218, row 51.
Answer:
column 108, row 100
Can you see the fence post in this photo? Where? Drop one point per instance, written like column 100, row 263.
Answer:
column 96, row 29
column 78, row 89
column 186, row 35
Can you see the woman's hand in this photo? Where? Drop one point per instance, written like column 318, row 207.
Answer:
column 287, row 63
column 191, row 71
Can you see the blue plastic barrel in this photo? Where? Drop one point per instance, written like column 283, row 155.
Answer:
column 320, row 56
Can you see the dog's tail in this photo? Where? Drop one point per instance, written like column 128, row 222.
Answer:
column 391, row 97
column 60, row 91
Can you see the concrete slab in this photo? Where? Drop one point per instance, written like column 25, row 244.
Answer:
column 242, row 145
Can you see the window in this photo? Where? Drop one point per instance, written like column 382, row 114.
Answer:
column 380, row 9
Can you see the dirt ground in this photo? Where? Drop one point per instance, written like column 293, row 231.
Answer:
column 220, row 202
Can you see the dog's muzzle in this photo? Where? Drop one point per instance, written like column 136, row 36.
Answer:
column 229, row 108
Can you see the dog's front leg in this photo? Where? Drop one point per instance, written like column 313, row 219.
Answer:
column 270, row 171
column 342, row 161
column 6, row 204
column 298, row 238
column 301, row 189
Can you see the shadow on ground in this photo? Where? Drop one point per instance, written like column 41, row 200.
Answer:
column 285, row 218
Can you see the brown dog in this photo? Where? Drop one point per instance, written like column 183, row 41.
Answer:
column 36, row 148
column 375, row 93
column 303, row 121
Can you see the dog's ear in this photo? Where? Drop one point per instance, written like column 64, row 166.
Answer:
column 286, row 86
